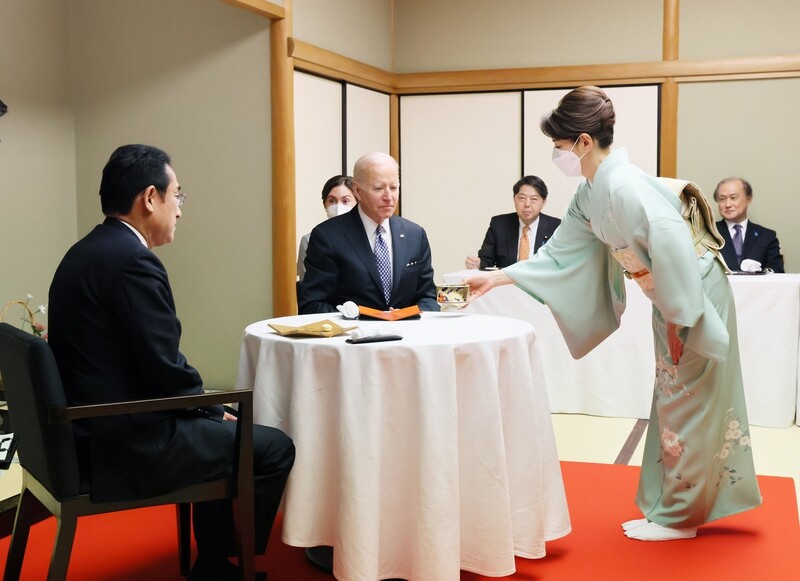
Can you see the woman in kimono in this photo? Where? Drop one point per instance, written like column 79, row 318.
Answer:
column 697, row 464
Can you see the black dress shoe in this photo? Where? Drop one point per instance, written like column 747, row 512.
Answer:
column 321, row 557
column 219, row 569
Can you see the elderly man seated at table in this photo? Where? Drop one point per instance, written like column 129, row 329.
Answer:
column 518, row 235
column 369, row 256
column 744, row 240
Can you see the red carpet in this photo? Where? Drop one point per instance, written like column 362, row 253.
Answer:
column 761, row 544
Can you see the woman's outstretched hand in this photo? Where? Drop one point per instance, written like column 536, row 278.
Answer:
column 479, row 286
column 482, row 283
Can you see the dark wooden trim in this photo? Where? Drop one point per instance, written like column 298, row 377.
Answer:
column 629, row 447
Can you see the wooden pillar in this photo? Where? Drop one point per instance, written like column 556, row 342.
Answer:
column 668, row 146
column 670, row 40
column 284, row 271
column 394, row 142
column 668, row 160
column 394, row 126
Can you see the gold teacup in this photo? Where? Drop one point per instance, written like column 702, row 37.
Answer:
column 452, row 297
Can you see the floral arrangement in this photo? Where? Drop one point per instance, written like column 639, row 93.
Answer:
column 29, row 316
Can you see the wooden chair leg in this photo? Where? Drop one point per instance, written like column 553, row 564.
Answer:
column 19, row 536
column 245, row 536
column 184, row 517
column 244, row 503
column 66, row 524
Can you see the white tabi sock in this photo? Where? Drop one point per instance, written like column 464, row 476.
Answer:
column 655, row 532
column 632, row 524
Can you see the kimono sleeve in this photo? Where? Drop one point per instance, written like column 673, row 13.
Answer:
column 574, row 275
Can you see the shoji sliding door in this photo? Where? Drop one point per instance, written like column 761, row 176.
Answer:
column 335, row 123
column 460, row 156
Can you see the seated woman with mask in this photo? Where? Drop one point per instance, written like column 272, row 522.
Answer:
column 337, row 199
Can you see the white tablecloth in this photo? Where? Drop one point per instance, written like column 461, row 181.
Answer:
column 616, row 379
column 415, row 458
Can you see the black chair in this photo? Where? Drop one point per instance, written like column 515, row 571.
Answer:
column 49, row 461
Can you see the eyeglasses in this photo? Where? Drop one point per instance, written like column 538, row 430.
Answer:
column 180, row 196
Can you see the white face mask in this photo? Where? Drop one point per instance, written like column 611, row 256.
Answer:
column 568, row 161
column 337, row 210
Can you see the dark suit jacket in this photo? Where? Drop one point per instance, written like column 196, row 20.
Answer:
column 759, row 244
column 340, row 266
column 502, row 239
column 115, row 336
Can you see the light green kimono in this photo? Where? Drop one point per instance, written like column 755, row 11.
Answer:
column 697, row 464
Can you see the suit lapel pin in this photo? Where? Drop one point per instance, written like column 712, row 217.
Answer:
column 402, row 235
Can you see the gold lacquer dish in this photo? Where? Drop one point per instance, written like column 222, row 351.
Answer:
column 326, row 328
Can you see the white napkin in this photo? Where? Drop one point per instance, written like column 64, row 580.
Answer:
column 749, row 265
column 373, row 331
column 349, row 310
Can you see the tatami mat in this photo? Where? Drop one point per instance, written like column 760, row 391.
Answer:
column 582, row 438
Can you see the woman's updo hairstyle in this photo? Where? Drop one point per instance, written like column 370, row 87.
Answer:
column 582, row 110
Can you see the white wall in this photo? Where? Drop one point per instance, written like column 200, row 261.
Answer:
column 191, row 77
column 739, row 28
column 367, row 123
column 318, row 145
column 358, row 29
column 37, row 148
column 442, row 35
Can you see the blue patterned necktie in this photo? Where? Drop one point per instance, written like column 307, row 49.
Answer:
column 384, row 263
column 737, row 240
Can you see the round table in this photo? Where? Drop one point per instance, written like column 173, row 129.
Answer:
column 415, row 458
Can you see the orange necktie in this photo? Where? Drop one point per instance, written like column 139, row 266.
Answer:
column 524, row 244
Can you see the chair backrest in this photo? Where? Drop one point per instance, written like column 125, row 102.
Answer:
column 33, row 385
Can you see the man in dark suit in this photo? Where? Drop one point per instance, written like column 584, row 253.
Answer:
column 517, row 236
column 744, row 239
column 369, row 255
column 115, row 336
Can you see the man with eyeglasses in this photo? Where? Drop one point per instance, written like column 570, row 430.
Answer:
column 518, row 235
column 115, row 335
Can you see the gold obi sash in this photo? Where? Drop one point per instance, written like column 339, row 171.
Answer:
column 699, row 218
